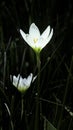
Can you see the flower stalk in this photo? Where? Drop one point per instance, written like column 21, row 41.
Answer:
column 37, row 111
column 22, row 106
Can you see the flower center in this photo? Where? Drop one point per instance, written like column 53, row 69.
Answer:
column 35, row 40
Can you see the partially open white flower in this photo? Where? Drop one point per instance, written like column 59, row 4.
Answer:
column 34, row 39
column 22, row 84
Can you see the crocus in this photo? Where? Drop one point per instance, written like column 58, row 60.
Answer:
column 36, row 40
column 22, row 84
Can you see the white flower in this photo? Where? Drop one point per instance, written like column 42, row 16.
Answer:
column 34, row 39
column 22, row 84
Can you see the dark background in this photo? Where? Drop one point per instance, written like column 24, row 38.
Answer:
column 56, row 76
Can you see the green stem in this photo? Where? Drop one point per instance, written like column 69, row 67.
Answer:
column 37, row 112
column 22, row 106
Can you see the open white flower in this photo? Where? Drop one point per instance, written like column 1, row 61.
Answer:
column 34, row 39
column 22, row 84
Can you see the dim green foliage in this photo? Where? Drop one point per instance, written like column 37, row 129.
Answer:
column 17, row 112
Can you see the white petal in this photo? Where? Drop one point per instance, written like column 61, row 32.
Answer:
column 20, row 84
column 19, row 80
column 23, row 34
column 40, row 43
column 15, row 80
column 25, row 83
column 18, row 76
column 45, row 42
column 34, row 31
column 50, row 36
column 29, row 78
column 46, row 32
column 30, row 41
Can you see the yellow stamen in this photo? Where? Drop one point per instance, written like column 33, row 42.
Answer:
column 35, row 40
